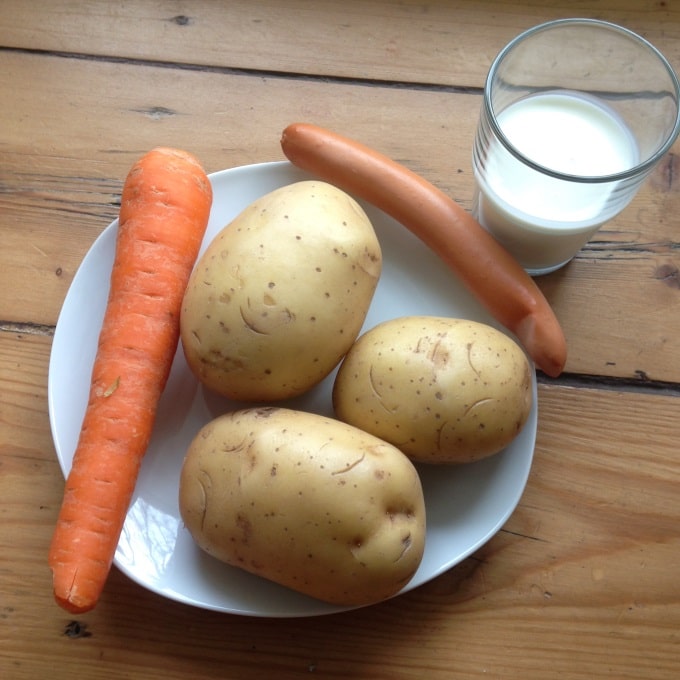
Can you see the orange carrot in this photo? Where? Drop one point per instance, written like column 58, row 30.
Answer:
column 164, row 212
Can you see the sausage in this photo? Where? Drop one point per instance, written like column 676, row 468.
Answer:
column 485, row 267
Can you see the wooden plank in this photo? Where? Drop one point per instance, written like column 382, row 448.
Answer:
column 447, row 43
column 592, row 548
column 61, row 181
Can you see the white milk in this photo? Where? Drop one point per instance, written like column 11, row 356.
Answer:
column 543, row 220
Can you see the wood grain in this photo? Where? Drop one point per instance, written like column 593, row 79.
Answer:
column 447, row 42
column 592, row 549
column 581, row 582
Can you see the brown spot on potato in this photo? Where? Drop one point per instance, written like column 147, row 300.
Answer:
column 245, row 528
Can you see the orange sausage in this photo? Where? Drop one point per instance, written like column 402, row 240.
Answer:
column 491, row 274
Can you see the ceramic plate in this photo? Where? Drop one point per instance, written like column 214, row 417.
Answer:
column 466, row 505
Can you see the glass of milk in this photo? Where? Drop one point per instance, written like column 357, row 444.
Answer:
column 576, row 113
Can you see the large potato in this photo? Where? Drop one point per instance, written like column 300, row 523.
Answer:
column 442, row 390
column 305, row 501
column 281, row 293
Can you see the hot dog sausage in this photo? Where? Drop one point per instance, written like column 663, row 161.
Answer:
column 491, row 274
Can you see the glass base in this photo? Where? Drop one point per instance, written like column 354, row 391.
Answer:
column 541, row 271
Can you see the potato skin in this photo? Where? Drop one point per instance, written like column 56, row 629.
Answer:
column 305, row 501
column 281, row 293
column 442, row 390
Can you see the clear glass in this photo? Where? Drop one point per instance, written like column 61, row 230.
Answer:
column 576, row 114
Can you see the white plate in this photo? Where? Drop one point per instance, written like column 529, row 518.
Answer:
column 466, row 505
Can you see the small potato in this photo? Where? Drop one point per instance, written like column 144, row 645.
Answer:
column 281, row 293
column 306, row 501
column 441, row 390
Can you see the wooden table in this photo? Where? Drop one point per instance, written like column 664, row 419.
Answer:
column 583, row 581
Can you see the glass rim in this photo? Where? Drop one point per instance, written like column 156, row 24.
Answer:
column 639, row 168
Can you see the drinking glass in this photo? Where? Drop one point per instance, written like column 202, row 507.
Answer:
column 576, row 114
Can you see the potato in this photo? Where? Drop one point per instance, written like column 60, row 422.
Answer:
column 281, row 293
column 306, row 501
column 442, row 390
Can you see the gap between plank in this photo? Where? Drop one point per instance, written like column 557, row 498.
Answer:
column 26, row 328
column 259, row 73
column 640, row 383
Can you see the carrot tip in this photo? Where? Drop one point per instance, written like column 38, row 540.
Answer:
column 72, row 607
